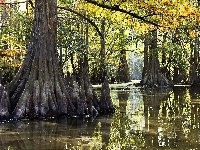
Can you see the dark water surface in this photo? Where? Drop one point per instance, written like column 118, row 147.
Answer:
column 165, row 119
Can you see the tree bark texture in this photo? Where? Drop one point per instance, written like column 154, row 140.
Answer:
column 4, row 104
column 123, row 74
column 102, row 68
column 38, row 89
column 146, row 52
column 194, row 78
column 153, row 76
column 106, row 105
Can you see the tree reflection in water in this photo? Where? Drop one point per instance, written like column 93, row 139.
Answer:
column 162, row 119
column 120, row 134
column 157, row 119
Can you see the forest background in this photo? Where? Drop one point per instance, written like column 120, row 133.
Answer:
column 92, row 41
column 163, row 34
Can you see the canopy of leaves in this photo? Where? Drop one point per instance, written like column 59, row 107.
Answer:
column 144, row 14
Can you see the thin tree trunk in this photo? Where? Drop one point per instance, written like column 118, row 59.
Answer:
column 165, row 64
column 102, row 69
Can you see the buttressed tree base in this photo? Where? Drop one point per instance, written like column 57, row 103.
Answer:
column 39, row 89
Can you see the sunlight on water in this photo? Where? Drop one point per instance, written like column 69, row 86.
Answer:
column 165, row 119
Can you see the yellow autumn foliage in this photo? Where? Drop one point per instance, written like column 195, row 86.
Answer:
column 12, row 53
column 168, row 14
column 12, row 58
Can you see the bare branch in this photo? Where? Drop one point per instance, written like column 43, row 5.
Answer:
column 116, row 8
column 6, row 3
column 84, row 17
column 31, row 3
column 26, row 1
column 149, row 15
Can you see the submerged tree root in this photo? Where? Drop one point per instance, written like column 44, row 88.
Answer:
column 86, row 101
column 80, row 102
column 156, row 81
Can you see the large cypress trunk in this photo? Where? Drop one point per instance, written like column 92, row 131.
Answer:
column 38, row 89
column 146, row 51
column 152, row 75
column 194, row 78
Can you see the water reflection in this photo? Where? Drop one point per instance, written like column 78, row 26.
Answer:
column 121, row 135
column 153, row 135
column 166, row 119
column 54, row 134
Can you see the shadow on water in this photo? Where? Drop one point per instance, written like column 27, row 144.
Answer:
column 163, row 119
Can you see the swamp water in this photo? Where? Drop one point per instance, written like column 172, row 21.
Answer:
column 144, row 120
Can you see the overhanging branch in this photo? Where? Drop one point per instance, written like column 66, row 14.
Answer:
column 85, row 18
column 116, row 8
column 6, row 3
column 16, row 2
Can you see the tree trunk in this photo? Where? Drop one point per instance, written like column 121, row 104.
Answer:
column 38, row 89
column 87, row 94
column 153, row 76
column 105, row 99
column 194, row 61
column 4, row 104
column 102, row 68
column 123, row 74
column 176, row 76
column 146, row 45
column 165, row 69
